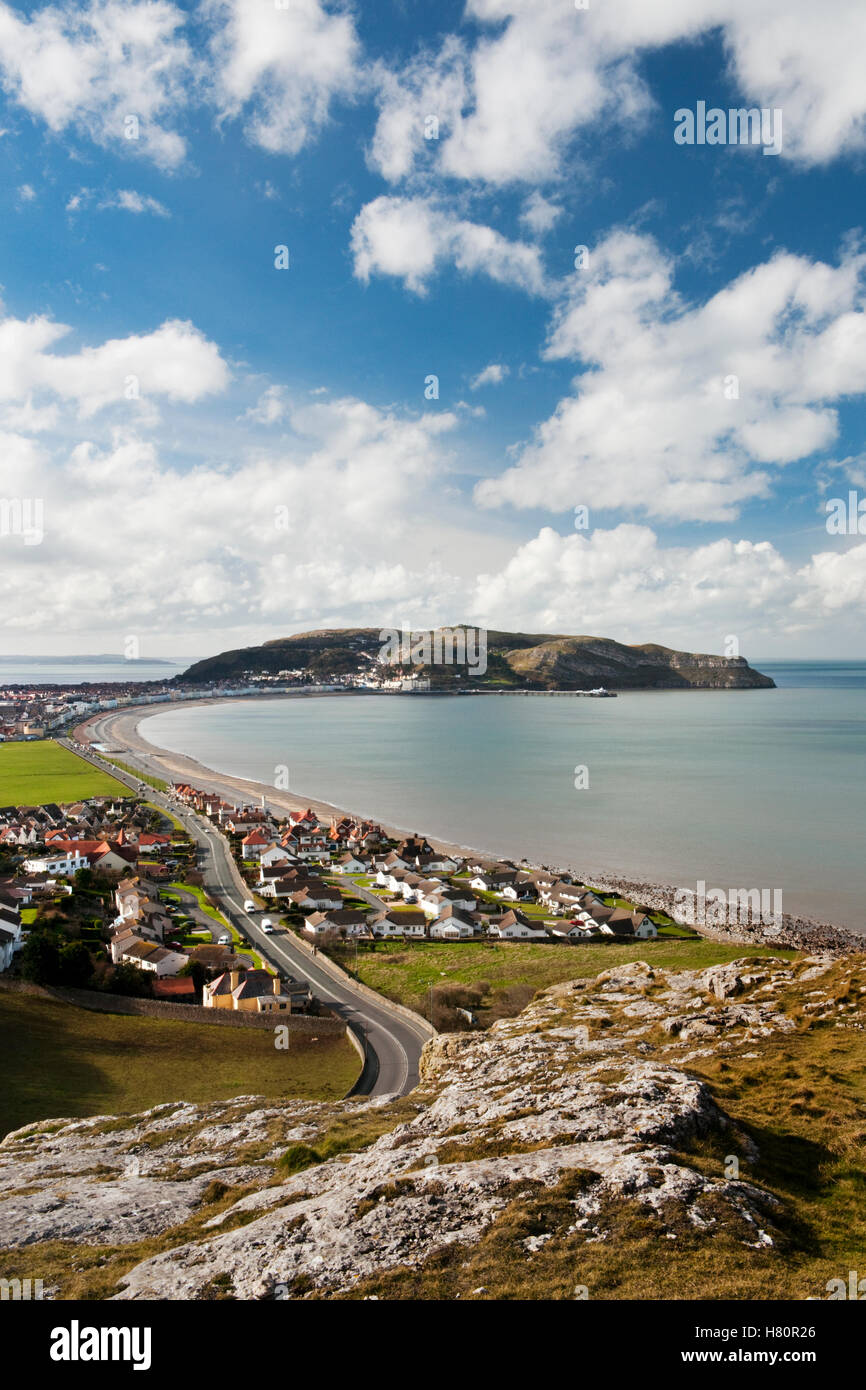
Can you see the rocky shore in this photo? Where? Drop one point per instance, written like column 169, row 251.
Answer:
column 799, row 933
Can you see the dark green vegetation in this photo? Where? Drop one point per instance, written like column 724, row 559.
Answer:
column 515, row 660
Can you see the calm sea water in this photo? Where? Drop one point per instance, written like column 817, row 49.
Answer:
column 743, row 789
column 35, row 670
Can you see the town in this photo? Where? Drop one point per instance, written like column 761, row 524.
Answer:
column 106, row 893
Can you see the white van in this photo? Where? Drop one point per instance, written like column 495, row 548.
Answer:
column 249, row 905
column 224, row 939
column 267, row 926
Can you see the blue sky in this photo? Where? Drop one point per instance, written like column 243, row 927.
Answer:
column 225, row 452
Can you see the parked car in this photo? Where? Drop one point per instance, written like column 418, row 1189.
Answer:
column 267, row 926
column 224, row 939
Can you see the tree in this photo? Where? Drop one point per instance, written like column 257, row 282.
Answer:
column 76, row 966
column 129, row 980
column 40, row 958
column 197, row 973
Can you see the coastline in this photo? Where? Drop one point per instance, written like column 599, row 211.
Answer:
column 801, row 933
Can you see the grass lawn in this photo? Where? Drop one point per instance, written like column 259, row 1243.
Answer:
column 203, row 904
column 167, row 815
column 62, row 1061
column 405, row 973
column 156, row 782
column 235, row 935
column 32, row 774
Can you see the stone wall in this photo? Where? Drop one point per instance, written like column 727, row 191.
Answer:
column 318, row 1025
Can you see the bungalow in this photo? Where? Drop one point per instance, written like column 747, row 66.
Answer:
column 520, row 889
column 146, row 955
column 433, row 902
column 456, row 927
column 277, row 887
column 273, row 854
column 575, row 931
column 406, row 923
column 348, row 863
column 624, row 924
column 396, row 861
column 318, row 925
column 562, row 893
column 338, row 919
column 317, row 896
column 416, row 887
column 513, row 926
column 436, row 863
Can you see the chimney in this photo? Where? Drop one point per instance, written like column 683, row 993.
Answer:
column 278, row 985
column 235, row 978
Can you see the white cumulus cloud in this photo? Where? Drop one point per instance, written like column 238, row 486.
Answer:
column 684, row 409
column 412, row 238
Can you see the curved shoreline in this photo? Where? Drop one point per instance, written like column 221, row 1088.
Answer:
column 799, row 932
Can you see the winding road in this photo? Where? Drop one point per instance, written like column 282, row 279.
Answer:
column 392, row 1042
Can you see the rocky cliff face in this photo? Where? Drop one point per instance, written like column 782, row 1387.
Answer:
column 543, row 1140
column 579, row 662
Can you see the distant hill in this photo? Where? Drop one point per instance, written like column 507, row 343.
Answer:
column 515, row 660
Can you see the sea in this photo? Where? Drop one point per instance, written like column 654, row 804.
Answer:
column 51, row 670
column 751, row 789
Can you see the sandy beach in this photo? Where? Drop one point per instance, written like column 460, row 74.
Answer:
column 124, row 728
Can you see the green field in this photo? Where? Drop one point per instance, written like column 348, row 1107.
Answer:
column 33, row 773
column 405, row 973
column 63, row 1061
column 156, row 782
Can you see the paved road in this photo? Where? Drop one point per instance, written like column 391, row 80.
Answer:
column 392, row 1043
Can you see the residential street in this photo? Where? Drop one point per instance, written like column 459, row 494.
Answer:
column 392, row 1042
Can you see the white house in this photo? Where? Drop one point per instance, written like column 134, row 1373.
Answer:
column 576, row 931
column 274, row 854
column 348, row 864
column 513, row 926
column 400, row 924
column 10, row 934
column 442, row 897
column 453, row 928
column 253, row 844
column 145, row 955
column 65, row 862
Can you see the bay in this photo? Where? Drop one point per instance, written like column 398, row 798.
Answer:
column 742, row 789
